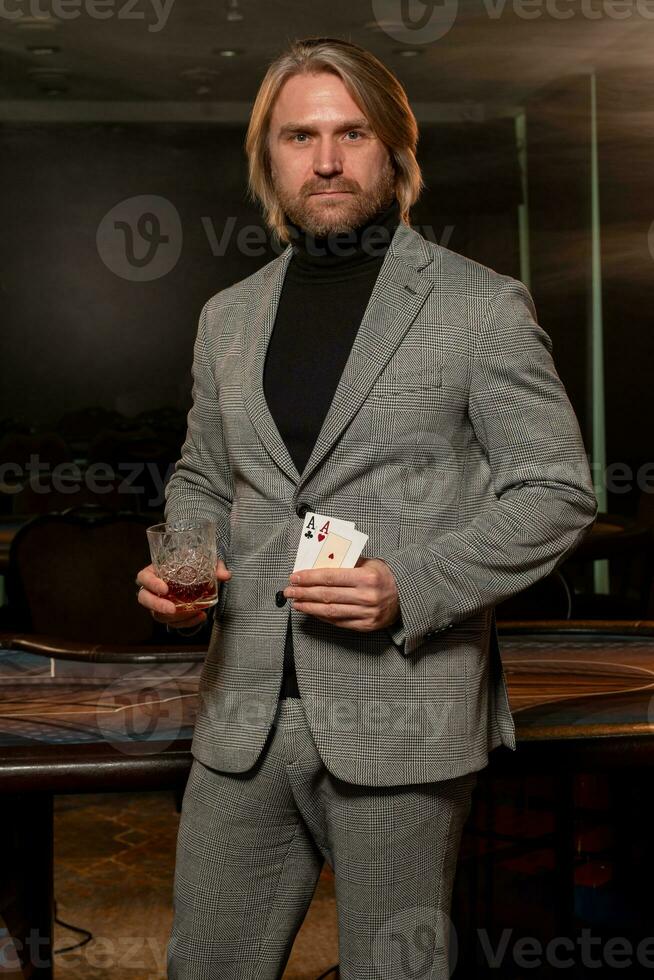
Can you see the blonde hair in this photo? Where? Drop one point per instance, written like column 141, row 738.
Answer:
column 371, row 85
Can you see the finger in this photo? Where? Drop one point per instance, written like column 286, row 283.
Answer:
column 151, row 581
column 330, row 612
column 221, row 570
column 353, row 622
column 330, row 576
column 323, row 593
column 156, row 603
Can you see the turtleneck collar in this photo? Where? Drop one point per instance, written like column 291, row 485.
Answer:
column 343, row 254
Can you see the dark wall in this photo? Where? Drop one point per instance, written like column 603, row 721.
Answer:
column 472, row 191
column 82, row 325
column 76, row 331
column 559, row 139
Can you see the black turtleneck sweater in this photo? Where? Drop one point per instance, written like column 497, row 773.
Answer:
column 326, row 290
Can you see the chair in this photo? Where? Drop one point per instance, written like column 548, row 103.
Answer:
column 141, row 458
column 166, row 420
column 80, row 426
column 28, row 460
column 18, row 449
column 555, row 817
column 70, row 585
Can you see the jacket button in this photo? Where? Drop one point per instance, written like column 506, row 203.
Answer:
column 280, row 598
column 303, row 510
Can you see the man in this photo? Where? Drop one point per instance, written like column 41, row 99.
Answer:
column 373, row 376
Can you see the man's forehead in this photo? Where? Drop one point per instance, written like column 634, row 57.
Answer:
column 317, row 99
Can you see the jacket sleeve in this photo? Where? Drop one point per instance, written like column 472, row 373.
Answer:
column 545, row 502
column 200, row 485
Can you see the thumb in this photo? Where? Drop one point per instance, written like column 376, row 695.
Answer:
column 221, row 570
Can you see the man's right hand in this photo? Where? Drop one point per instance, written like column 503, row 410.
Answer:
column 152, row 596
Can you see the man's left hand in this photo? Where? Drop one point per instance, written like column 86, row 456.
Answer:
column 362, row 598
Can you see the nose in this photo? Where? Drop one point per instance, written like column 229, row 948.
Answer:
column 327, row 161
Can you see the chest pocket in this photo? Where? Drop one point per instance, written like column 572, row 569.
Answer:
column 414, row 370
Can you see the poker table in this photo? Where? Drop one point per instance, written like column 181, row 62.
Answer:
column 79, row 726
column 581, row 695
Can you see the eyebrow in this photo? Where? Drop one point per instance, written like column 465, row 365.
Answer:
column 297, row 127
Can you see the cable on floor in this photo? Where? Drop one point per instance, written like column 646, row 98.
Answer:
column 85, row 932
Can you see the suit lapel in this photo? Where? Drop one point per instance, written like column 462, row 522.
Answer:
column 397, row 296
column 260, row 313
column 395, row 301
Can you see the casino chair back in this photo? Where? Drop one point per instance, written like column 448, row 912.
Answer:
column 71, row 576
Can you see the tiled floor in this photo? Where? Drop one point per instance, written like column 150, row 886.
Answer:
column 114, row 857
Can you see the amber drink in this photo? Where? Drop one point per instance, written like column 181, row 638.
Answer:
column 184, row 555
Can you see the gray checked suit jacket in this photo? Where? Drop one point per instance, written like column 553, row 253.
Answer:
column 451, row 442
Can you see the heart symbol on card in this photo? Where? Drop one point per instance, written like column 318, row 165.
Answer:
column 332, row 556
column 320, row 537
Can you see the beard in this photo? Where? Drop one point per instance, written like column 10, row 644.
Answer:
column 324, row 216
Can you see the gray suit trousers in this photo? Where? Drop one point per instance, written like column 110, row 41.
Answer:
column 251, row 846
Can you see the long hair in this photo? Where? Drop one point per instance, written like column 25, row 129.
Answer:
column 377, row 92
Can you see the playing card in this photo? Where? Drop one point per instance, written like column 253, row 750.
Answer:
column 332, row 551
column 357, row 545
column 314, row 531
